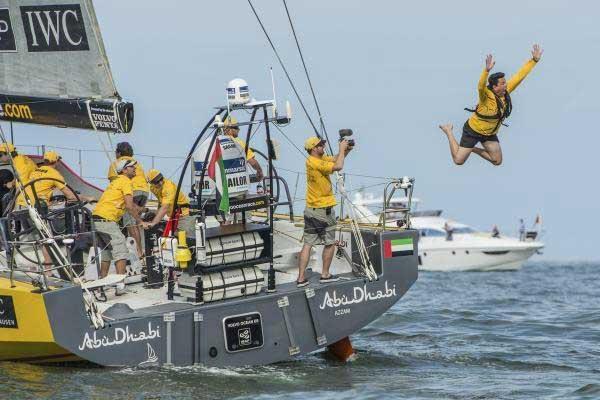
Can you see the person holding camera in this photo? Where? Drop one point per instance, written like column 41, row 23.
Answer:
column 319, row 215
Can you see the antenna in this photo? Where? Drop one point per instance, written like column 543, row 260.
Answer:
column 228, row 107
column 274, row 96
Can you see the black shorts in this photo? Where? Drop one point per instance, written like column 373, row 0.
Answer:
column 470, row 138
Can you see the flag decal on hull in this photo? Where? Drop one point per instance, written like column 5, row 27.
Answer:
column 397, row 247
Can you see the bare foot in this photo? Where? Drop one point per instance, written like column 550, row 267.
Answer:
column 447, row 128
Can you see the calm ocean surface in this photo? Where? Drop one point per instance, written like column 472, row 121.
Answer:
column 528, row 334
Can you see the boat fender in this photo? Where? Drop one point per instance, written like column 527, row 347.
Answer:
column 183, row 255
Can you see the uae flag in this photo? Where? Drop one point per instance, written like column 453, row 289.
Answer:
column 216, row 172
column 397, row 247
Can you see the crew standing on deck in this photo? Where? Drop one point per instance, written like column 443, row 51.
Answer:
column 319, row 215
column 231, row 129
column 124, row 151
column 493, row 108
column 117, row 198
column 164, row 189
column 22, row 164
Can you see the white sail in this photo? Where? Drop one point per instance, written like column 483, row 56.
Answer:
column 54, row 69
column 50, row 48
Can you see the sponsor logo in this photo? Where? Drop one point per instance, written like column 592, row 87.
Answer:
column 118, row 337
column 57, row 27
column 104, row 118
column 243, row 332
column 152, row 358
column 360, row 294
column 16, row 111
column 7, row 36
column 247, row 205
column 245, row 337
column 8, row 317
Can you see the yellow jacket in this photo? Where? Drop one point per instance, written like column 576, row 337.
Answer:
column 24, row 166
column 43, row 188
column 487, row 101
column 166, row 195
column 319, row 192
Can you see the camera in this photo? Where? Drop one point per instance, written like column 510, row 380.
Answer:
column 344, row 133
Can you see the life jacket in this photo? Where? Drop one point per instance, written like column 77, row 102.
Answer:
column 500, row 115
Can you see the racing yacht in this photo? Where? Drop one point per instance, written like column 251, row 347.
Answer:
column 209, row 299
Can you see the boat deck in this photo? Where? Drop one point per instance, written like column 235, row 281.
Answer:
column 140, row 301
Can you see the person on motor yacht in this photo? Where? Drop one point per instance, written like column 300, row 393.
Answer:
column 495, row 231
column 116, row 199
column 319, row 215
column 164, row 189
column 493, row 108
column 449, row 231
column 124, row 151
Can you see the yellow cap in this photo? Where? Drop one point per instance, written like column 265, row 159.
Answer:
column 153, row 175
column 6, row 147
column 230, row 121
column 312, row 142
column 51, row 156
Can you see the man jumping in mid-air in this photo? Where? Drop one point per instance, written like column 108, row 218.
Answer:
column 493, row 108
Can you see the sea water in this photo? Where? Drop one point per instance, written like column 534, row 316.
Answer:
column 527, row 334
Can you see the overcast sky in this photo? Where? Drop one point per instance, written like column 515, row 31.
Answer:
column 392, row 71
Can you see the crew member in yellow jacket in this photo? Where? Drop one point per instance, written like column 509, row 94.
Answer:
column 164, row 189
column 22, row 164
column 124, row 151
column 493, row 108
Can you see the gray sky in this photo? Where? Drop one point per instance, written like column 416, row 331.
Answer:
column 391, row 71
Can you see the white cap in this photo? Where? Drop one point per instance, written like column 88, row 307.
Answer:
column 122, row 164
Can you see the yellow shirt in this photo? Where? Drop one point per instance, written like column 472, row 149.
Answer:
column 487, row 101
column 166, row 195
column 24, row 166
column 138, row 181
column 250, row 155
column 111, row 205
column 43, row 188
column 319, row 192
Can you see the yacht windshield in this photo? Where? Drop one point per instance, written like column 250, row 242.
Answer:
column 464, row 229
column 427, row 232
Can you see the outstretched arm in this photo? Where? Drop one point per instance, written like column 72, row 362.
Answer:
column 482, row 85
column 516, row 79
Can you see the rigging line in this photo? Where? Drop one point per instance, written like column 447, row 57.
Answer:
column 303, row 153
column 308, row 76
column 386, row 178
column 284, row 69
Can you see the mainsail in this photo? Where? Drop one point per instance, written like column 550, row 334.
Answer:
column 54, row 69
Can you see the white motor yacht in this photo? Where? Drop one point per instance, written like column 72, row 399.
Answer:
column 465, row 249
